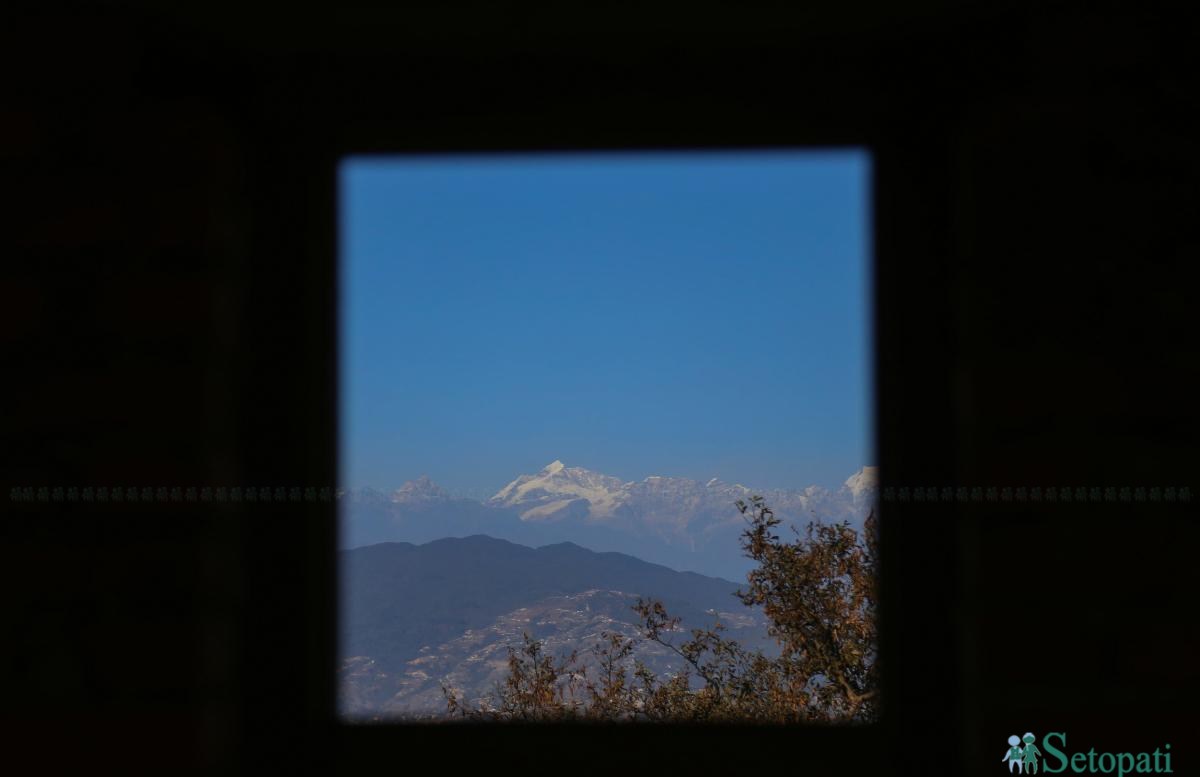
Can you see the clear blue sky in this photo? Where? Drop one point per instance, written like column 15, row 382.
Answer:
column 694, row 315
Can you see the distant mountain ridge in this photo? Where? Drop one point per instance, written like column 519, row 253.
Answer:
column 679, row 522
column 415, row 616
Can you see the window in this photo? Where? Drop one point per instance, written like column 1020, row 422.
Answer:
column 560, row 373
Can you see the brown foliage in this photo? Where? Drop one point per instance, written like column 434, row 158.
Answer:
column 819, row 594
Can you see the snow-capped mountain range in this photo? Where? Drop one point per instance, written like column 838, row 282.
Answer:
column 420, row 490
column 559, row 492
column 684, row 523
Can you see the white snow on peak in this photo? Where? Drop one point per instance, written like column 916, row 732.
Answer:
column 423, row 489
column 555, row 487
column 865, row 479
column 547, row 509
column 670, row 504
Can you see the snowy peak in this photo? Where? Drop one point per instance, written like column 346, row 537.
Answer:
column 558, row 490
column 862, row 483
column 423, row 489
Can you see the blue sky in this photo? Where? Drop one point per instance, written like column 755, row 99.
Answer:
column 694, row 315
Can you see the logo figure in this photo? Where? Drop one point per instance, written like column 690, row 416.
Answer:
column 1031, row 754
column 1014, row 756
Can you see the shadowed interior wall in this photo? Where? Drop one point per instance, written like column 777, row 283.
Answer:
column 169, row 322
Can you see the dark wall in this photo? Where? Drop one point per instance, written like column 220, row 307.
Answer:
column 169, row 310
